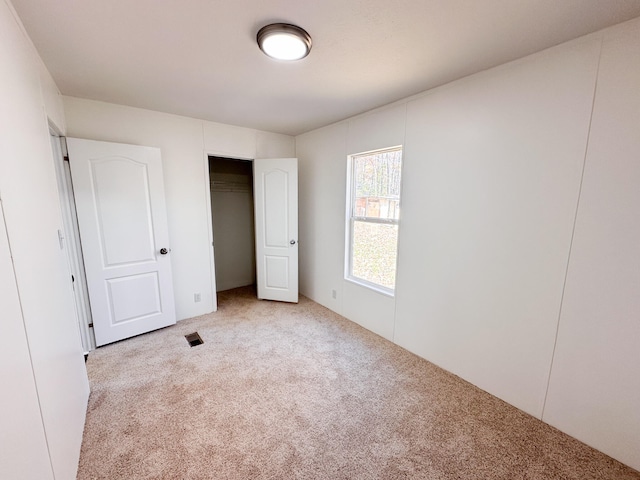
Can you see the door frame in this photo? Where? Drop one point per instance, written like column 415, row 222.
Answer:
column 70, row 240
column 207, row 184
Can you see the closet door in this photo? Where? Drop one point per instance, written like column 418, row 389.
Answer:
column 276, row 214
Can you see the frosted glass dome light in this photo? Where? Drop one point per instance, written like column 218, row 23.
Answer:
column 283, row 41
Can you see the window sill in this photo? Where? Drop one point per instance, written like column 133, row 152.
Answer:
column 371, row 286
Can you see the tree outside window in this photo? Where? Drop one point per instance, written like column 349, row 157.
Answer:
column 373, row 218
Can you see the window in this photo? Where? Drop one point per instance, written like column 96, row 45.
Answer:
column 373, row 212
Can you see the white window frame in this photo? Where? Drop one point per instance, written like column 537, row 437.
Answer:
column 351, row 219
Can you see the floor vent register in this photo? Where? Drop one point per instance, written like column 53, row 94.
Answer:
column 194, row 339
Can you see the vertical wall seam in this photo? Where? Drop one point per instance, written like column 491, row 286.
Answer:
column 26, row 335
column 346, row 223
column 209, row 220
column 33, row 52
column 345, row 157
column 573, row 231
column 395, row 295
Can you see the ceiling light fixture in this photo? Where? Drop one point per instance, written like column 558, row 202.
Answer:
column 283, row 41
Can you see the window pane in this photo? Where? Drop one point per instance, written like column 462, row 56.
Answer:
column 377, row 184
column 374, row 248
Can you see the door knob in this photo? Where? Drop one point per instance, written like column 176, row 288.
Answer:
column 292, row 242
column 164, row 251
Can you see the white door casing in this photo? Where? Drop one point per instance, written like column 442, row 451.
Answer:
column 276, row 217
column 119, row 194
column 71, row 243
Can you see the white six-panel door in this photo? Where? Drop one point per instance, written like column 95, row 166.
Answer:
column 276, row 217
column 119, row 194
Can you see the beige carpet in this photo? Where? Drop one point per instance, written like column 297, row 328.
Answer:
column 282, row 391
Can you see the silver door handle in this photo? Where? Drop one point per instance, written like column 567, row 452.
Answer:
column 164, row 251
column 292, row 242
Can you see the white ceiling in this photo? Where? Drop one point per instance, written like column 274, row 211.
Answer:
column 199, row 58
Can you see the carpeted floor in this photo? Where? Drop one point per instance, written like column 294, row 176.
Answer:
column 283, row 391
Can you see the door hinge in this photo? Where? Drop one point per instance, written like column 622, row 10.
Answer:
column 66, row 158
column 91, row 325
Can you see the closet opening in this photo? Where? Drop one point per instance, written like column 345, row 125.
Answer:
column 232, row 212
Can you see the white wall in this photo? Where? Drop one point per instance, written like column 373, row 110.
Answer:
column 23, row 445
column 185, row 143
column 233, row 233
column 321, row 202
column 492, row 171
column 44, row 383
column 594, row 392
column 492, row 174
